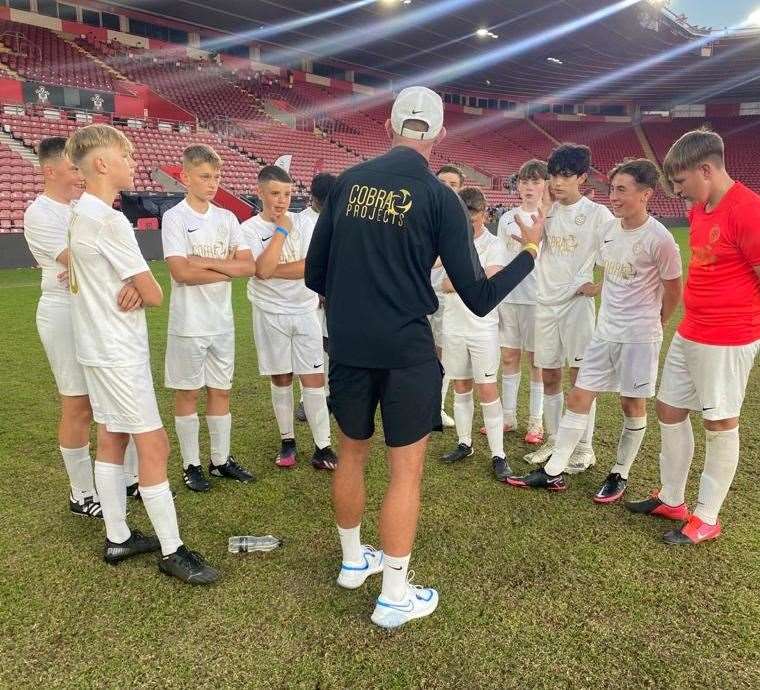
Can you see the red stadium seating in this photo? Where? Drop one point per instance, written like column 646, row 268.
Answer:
column 42, row 55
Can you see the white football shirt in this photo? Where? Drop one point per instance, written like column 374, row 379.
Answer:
column 635, row 264
column 458, row 320
column 279, row 295
column 569, row 249
column 200, row 310
column 46, row 224
column 308, row 218
column 525, row 292
column 103, row 253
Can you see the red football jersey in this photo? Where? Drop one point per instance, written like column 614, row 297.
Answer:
column 722, row 294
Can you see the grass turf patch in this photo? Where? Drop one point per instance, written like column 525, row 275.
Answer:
column 537, row 590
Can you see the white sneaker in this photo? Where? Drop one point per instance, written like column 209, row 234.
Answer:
column 353, row 576
column 582, row 458
column 446, row 420
column 419, row 602
column 541, row 455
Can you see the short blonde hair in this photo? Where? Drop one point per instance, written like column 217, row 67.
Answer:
column 693, row 149
column 197, row 154
column 92, row 137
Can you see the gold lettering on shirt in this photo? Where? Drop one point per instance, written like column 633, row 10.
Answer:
column 621, row 271
column 562, row 245
column 379, row 205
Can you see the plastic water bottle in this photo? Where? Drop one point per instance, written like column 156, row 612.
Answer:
column 247, row 544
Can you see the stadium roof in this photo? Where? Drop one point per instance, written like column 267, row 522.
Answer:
column 634, row 52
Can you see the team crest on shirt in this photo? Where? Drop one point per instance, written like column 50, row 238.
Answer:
column 714, row 234
column 638, row 248
column 379, row 205
column 580, row 219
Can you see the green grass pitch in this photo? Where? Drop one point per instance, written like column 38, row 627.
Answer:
column 537, row 590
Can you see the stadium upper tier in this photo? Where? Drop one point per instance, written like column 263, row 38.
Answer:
column 253, row 118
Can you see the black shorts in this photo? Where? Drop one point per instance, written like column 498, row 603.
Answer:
column 410, row 401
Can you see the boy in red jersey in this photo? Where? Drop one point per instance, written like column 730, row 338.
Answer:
column 712, row 353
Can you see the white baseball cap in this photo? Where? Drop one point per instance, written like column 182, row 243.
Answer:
column 417, row 103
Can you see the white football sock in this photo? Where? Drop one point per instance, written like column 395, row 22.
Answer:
column 493, row 419
column 131, row 463
column 676, row 453
column 79, row 468
column 444, row 390
column 571, row 429
column 219, row 431
column 588, row 435
column 187, row 428
column 553, row 412
column 394, row 577
column 317, row 414
column 351, row 544
column 631, row 437
column 536, row 399
column 327, row 374
column 159, row 505
column 721, row 460
column 109, row 479
column 510, row 386
column 282, row 402
column 464, row 411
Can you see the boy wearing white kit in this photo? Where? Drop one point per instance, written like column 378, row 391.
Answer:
column 286, row 325
column 640, row 292
column 112, row 347
column 517, row 313
column 204, row 249
column 471, row 348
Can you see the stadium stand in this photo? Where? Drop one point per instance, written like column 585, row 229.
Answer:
column 252, row 118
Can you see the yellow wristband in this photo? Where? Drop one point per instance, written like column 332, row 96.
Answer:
column 531, row 245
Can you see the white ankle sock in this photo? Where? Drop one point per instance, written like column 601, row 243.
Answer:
column 676, row 453
column 109, row 479
column 553, row 412
column 493, row 419
column 631, row 437
column 571, row 429
column 131, row 463
column 187, row 428
column 536, row 402
column 721, row 460
column 351, row 544
column 79, row 468
column 282, row 402
column 510, row 386
column 317, row 414
column 444, row 390
column 394, row 577
column 159, row 504
column 588, row 436
column 219, row 431
column 464, row 411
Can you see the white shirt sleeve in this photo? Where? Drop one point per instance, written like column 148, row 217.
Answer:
column 667, row 254
column 43, row 234
column 307, row 231
column 173, row 236
column 497, row 255
column 237, row 239
column 118, row 244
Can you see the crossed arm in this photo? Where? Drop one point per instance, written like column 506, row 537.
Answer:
column 268, row 264
column 198, row 270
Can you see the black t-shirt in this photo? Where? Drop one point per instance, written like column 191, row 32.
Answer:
column 378, row 235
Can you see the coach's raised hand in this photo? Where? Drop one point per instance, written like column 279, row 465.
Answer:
column 531, row 235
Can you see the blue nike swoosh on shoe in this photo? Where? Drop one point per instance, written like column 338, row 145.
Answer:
column 406, row 607
column 356, row 567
